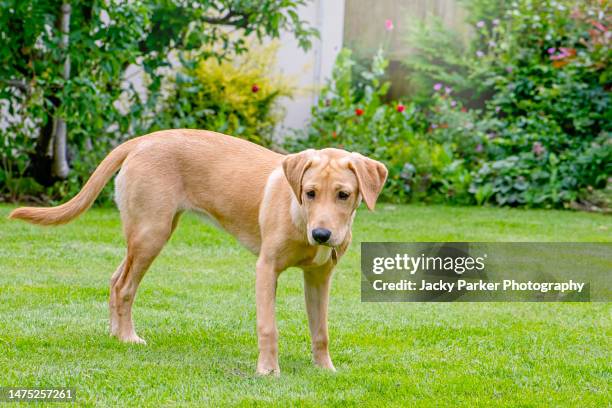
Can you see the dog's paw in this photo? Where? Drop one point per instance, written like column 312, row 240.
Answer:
column 133, row 339
column 329, row 368
column 325, row 363
column 263, row 370
column 268, row 373
column 267, row 364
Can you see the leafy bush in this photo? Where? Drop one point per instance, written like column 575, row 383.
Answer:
column 237, row 96
column 439, row 56
column 420, row 167
column 543, row 134
column 551, row 96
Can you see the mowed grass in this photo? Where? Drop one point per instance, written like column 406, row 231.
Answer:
column 196, row 309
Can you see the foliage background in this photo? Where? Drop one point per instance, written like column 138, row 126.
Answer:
column 518, row 116
column 99, row 107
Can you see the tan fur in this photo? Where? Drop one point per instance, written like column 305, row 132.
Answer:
column 259, row 196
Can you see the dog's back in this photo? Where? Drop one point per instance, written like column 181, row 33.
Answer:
column 206, row 162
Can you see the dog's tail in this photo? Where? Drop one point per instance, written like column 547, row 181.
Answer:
column 84, row 199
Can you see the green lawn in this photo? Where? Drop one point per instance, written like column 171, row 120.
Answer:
column 196, row 310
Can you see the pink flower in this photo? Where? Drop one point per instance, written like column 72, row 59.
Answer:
column 478, row 148
column 389, row 24
column 551, row 50
column 358, row 111
column 496, row 22
column 563, row 53
column 400, row 108
column 437, row 86
column 479, row 54
column 255, row 88
column 480, row 24
column 453, row 103
column 448, row 90
column 537, row 148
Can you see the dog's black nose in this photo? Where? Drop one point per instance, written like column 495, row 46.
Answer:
column 321, row 235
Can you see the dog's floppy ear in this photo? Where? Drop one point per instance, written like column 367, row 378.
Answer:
column 294, row 167
column 371, row 176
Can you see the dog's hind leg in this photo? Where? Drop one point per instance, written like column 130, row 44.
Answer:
column 112, row 304
column 146, row 239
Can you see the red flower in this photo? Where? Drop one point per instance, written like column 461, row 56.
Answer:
column 255, row 88
column 400, row 108
column 358, row 111
column 334, row 135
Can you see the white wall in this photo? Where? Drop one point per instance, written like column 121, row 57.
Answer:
column 312, row 68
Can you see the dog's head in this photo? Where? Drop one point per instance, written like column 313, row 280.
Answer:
column 329, row 185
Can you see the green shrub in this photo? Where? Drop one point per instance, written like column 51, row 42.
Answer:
column 543, row 134
column 439, row 56
column 551, row 95
column 238, row 96
column 356, row 119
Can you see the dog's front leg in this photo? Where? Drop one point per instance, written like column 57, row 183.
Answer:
column 267, row 333
column 316, row 290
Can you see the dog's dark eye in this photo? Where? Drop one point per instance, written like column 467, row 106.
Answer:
column 343, row 196
column 310, row 194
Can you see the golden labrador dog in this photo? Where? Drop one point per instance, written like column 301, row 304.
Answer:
column 290, row 210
